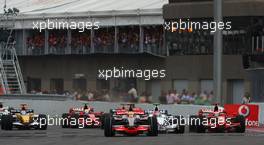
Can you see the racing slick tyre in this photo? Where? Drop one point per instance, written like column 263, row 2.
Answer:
column 192, row 124
column 180, row 123
column 75, row 119
column 200, row 128
column 102, row 118
column 108, row 126
column 43, row 124
column 65, row 121
column 242, row 128
column 153, row 122
column 7, row 122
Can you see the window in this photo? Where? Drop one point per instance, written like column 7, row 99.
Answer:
column 206, row 85
column 180, row 85
column 56, row 86
column 79, row 84
column 34, row 85
column 102, row 84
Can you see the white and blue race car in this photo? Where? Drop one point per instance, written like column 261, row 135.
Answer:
column 167, row 123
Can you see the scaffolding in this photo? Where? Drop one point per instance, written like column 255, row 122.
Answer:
column 11, row 78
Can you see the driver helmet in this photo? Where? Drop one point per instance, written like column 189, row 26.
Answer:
column 23, row 112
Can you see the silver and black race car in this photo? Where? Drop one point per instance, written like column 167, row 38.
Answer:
column 166, row 122
column 4, row 111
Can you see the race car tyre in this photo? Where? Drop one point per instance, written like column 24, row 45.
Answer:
column 200, row 128
column 153, row 122
column 192, row 124
column 7, row 122
column 65, row 120
column 43, row 124
column 108, row 126
column 102, row 118
column 242, row 127
column 181, row 124
column 75, row 119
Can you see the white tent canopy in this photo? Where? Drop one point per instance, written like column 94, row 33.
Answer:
column 108, row 12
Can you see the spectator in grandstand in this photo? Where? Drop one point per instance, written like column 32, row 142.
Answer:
column 148, row 97
column 186, row 98
column 210, row 97
column 143, row 98
column 35, row 44
column 90, row 95
column 162, row 97
column 104, row 40
column 173, row 97
column 81, row 42
column 133, row 93
column 128, row 39
column 106, row 96
column 246, row 98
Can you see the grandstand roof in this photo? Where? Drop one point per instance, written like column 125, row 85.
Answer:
column 110, row 12
column 77, row 6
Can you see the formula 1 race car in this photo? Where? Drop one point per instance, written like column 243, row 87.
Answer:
column 216, row 120
column 4, row 111
column 167, row 122
column 23, row 118
column 82, row 117
column 130, row 121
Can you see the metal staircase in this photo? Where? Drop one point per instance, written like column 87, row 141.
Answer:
column 11, row 77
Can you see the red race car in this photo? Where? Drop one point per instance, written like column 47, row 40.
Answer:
column 216, row 120
column 129, row 121
column 83, row 117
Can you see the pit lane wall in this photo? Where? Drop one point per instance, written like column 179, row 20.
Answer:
column 56, row 105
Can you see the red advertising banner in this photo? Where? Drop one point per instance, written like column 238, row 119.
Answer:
column 249, row 111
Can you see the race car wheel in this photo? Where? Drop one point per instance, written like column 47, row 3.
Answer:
column 180, row 124
column 200, row 128
column 153, row 123
column 64, row 121
column 192, row 124
column 43, row 124
column 75, row 119
column 242, row 127
column 102, row 118
column 108, row 126
column 7, row 122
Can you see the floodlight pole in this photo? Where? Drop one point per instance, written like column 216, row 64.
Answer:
column 218, row 46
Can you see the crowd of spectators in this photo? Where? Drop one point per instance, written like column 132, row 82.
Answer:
column 57, row 42
column 153, row 37
column 104, row 40
column 36, row 44
column 81, row 42
column 92, row 95
column 185, row 97
column 128, row 39
column 169, row 97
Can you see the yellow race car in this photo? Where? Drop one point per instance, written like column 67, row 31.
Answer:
column 24, row 118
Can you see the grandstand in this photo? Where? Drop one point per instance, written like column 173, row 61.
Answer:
column 131, row 35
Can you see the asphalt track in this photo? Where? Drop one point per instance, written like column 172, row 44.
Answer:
column 59, row 136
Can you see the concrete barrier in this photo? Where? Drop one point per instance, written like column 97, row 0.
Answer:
column 56, row 105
